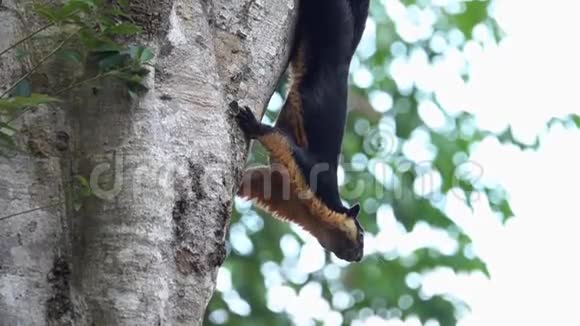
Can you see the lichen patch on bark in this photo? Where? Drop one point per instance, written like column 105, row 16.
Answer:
column 187, row 262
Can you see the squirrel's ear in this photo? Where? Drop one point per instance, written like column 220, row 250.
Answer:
column 353, row 211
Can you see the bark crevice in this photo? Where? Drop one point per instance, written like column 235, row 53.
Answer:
column 59, row 307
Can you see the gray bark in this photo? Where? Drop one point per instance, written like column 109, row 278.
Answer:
column 146, row 248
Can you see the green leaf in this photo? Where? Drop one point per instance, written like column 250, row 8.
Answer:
column 19, row 102
column 58, row 14
column 134, row 51
column 110, row 62
column 409, row 210
column 105, row 23
column 475, row 12
column 499, row 202
column 146, row 55
column 71, row 8
column 123, row 3
column 83, row 3
column 124, row 29
column 575, row 118
column 119, row 12
column 71, row 55
column 506, row 210
column 6, row 126
column 89, row 40
column 142, row 72
column 84, row 188
column 140, row 54
column 137, row 87
column 46, row 12
column 406, row 117
column 98, row 42
column 106, row 46
column 132, row 94
column 80, row 189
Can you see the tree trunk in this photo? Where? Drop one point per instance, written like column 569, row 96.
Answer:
column 164, row 169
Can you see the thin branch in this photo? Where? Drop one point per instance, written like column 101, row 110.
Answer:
column 21, row 113
column 74, row 85
column 29, row 36
column 37, row 65
column 88, row 80
column 29, row 211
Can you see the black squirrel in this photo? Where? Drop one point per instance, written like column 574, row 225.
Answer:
column 300, row 184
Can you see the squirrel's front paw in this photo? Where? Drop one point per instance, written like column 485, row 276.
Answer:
column 249, row 124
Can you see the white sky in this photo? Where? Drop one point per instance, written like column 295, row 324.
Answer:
column 533, row 75
column 534, row 259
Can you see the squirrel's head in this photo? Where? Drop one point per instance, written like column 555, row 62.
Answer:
column 346, row 240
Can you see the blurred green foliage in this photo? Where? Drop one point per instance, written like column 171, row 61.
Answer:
column 386, row 283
